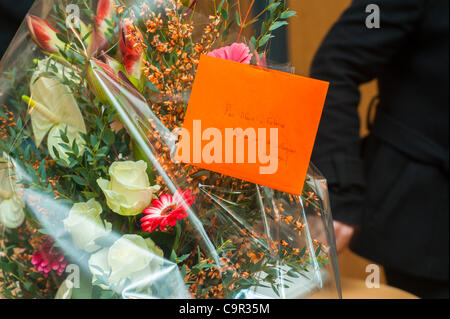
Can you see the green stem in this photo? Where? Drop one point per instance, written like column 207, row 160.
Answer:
column 177, row 237
column 130, row 224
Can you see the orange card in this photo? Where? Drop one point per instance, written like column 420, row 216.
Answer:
column 252, row 123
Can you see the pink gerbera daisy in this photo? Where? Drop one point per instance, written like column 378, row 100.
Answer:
column 237, row 52
column 48, row 258
column 167, row 210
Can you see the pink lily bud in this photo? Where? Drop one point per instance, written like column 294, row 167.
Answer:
column 105, row 12
column 131, row 46
column 44, row 34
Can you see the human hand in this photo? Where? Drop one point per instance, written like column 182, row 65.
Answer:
column 343, row 233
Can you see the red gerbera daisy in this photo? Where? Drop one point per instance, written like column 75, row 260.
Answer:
column 167, row 210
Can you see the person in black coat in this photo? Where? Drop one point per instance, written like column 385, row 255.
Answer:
column 389, row 192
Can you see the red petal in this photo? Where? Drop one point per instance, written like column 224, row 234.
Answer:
column 105, row 10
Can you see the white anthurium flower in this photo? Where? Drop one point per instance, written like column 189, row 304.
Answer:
column 12, row 206
column 52, row 103
column 85, row 225
column 129, row 191
column 130, row 258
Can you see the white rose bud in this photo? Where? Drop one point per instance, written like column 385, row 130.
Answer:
column 129, row 191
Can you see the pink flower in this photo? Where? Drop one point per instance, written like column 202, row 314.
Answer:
column 44, row 34
column 237, row 52
column 49, row 258
column 167, row 210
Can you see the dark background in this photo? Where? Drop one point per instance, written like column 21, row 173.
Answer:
column 12, row 13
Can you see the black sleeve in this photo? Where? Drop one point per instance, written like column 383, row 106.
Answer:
column 351, row 55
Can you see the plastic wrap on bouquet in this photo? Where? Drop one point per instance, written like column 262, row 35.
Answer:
column 92, row 205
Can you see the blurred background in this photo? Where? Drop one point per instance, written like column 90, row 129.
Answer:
column 296, row 44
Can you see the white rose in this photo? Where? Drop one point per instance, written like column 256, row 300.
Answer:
column 12, row 206
column 130, row 258
column 11, row 212
column 129, row 191
column 85, row 225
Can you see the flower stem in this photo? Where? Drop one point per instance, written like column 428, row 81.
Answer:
column 177, row 237
column 130, row 224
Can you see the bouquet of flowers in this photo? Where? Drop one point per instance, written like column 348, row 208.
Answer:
column 92, row 204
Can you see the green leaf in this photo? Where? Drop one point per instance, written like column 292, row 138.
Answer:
column 238, row 18
column 108, row 137
column 275, row 290
column 219, row 8
column 277, row 24
column 182, row 258
column 264, row 40
column 288, row 14
column 273, row 6
column 8, row 267
column 224, row 14
column 79, row 180
column 42, row 172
